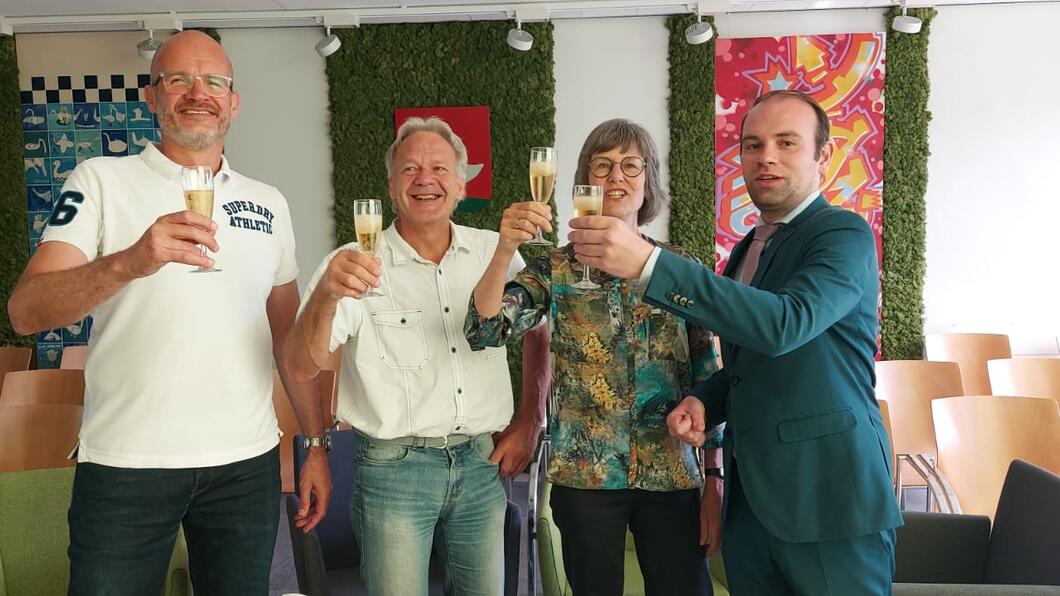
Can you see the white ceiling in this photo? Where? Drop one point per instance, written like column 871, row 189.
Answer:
column 28, row 16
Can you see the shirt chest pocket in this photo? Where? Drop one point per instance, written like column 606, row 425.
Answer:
column 399, row 335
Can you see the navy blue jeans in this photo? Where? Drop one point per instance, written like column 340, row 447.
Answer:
column 123, row 523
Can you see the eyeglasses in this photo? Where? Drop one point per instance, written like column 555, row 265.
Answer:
column 215, row 85
column 631, row 166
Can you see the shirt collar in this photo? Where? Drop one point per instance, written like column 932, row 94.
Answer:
column 168, row 169
column 401, row 252
column 791, row 215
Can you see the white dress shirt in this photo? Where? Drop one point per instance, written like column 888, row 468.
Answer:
column 407, row 369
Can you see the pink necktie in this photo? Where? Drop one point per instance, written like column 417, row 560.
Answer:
column 754, row 252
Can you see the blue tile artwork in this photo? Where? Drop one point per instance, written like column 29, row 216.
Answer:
column 67, row 119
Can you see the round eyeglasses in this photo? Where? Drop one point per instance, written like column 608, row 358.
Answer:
column 631, row 166
column 215, row 85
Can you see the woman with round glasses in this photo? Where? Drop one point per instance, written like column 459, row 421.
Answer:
column 618, row 367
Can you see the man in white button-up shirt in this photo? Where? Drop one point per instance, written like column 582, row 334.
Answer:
column 424, row 405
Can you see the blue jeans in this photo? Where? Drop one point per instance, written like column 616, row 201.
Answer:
column 123, row 523
column 403, row 494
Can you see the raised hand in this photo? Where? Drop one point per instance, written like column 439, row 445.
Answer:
column 173, row 238
column 608, row 244
column 520, row 222
column 351, row 273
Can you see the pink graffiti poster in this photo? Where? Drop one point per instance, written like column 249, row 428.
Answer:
column 844, row 73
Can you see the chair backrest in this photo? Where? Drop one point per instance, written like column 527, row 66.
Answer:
column 886, row 416
column 74, row 357
column 34, row 534
column 1029, row 377
column 43, row 386
column 971, row 351
column 1026, row 536
column 979, row 436
column 14, row 358
column 908, row 386
column 288, row 422
column 38, row 436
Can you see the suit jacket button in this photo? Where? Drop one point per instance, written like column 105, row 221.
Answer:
column 735, row 381
column 670, row 295
column 684, row 301
column 691, row 303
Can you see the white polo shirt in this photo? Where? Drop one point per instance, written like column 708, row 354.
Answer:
column 407, row 369
column 179, row 372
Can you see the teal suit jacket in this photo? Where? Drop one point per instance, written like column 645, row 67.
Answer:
column 798, row 346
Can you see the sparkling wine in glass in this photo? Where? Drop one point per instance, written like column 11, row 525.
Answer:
column 588, row 200
column 197, row 182
column 368, row 222
column 542, row 182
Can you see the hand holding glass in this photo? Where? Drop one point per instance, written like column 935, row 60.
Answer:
column 197, row 182
column 368, row 222
column 588, row 200
column 542, row 182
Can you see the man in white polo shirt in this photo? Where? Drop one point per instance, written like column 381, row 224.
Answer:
column 178, row 424
column 423, row 403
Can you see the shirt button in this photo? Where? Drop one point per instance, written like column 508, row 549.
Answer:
column 454, row 350
column 459, row 390
column 439, row 272
column 447, row 309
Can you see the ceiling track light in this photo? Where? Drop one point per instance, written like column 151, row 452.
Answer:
column 520, row 39
column 330, row 44
column 146, row 48
column 698, row 32
column 905, row 23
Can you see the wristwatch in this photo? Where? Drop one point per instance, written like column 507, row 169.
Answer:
column 715, row 472
column 324, row 442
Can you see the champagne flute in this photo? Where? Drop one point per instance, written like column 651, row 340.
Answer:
column 542, row 182
column 588, row 200
column 197, row 182
column 368, row 221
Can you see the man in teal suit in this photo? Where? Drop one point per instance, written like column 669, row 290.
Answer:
column 809, row 507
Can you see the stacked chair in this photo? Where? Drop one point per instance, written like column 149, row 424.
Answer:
column 40, row 416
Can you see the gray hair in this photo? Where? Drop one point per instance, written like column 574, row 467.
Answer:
column 438, row 127
column 623, row 134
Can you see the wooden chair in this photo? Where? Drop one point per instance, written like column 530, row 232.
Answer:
column 14, row 358
column 908, row 386
column 971, row 351
column 1029, row 377
column 979, row 436
column 288, row 421
column 43, row 386
column 35, row 437
column 74, row 357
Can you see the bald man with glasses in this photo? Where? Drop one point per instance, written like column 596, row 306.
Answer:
column 178, row 429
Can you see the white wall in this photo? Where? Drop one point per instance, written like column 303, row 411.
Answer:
column 280, row 135
column 993, row 199
column 993, row 136
column 609, row 68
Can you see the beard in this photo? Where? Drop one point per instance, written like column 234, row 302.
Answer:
column 195, row 140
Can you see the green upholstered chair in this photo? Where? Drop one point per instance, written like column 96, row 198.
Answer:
column 550, row 558
column 34, row 536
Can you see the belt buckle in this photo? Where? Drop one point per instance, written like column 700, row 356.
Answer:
column 445, row 442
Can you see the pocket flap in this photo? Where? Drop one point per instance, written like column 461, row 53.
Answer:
column 828, row 423
column 397, row 318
